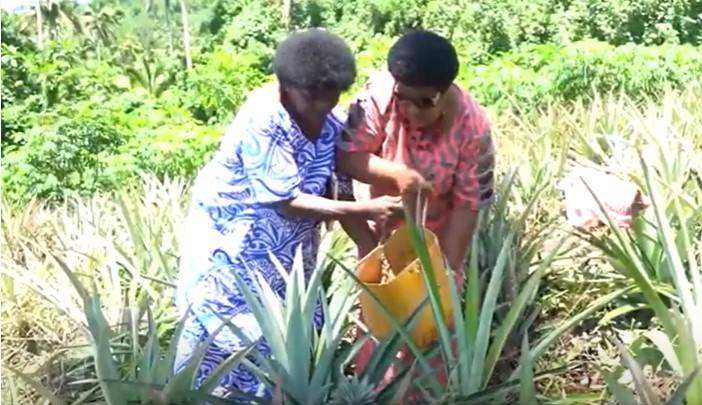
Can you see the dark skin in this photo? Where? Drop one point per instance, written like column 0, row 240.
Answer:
column 371, row 169
column 309, row 110
column 423, row 107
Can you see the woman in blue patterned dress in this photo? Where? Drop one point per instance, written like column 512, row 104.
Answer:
column 264, row 191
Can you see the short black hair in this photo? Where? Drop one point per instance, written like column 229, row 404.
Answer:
column 315, row 59
column 423, row 58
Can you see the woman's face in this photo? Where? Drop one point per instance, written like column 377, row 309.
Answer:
column 422, row 106
column 312, row 105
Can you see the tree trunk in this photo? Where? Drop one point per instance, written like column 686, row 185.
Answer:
column 40, row 30
column 186, row 35
column 169, row 23
column 287, row 11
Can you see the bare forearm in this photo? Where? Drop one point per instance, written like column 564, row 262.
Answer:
column 458, row 237
column 324, row 209
column 358, row 230
column 369, row 168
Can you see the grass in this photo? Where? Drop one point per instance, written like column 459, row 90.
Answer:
column 543, row 315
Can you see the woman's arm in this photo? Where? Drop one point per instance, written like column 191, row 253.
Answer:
column 368, row 168
column 352, row 214
column 279, row 184
column 473, row 189
column 359, row 143
column 458, row 235
column 359, row 231
column 324, row 209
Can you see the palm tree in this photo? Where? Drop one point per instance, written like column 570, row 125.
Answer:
column 99, row 25
column 150, row 7
column 186, row 35
column 57, row 15
column 40, row 31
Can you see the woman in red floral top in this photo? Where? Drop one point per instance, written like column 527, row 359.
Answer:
column 413, row 128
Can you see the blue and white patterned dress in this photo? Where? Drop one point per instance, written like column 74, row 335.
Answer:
column 233, row 223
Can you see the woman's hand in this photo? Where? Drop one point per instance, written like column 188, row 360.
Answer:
column 378, row 210
column 411, row 181
column 381, row 208
column 371, row 169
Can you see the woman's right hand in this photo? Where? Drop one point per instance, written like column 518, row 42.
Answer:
column 411, row 181
column 381, row 208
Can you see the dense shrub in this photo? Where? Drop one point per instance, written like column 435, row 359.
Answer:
column 215, row 89
column 178, row 149
column 538, row 74
column 87, row 147
column 489, row 27
column 41, row 82
column 503, row 24
column 65, row 154
column 83, row 148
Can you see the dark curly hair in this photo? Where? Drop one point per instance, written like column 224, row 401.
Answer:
column 423, row 58
column 315, row 59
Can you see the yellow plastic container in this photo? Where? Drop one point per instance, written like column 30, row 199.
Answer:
column 403, row 295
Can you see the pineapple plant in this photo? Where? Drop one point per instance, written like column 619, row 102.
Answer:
column 352, row 391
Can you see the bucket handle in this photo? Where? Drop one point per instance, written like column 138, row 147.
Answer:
column 420, row 211
column 420, row 215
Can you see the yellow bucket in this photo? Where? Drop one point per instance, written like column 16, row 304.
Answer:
column 403, row 295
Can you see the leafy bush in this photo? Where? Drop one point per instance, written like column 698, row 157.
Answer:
column 158, row 136
column 216, row 88
column 504, row 25
column 65, row 155
column 86, row 149
column 539, row 74
column 20, row 97
column 169, row 150
column 34, row 83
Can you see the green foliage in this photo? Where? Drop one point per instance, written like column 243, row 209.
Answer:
column 12, row 32
column 103, row 138
column 214, row 89
column 106, row 263
column 64, row 75
column 539, row 74
column 64, row 153
column 18, row 93
column 255, row 24
column 168, row 150
column 49, row 81
column 503, row 25
column 112, row 72
column 86, row 148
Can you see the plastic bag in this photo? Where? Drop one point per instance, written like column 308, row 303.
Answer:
column 619, row 197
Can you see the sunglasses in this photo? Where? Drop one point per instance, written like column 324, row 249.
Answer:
column 423, row 103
